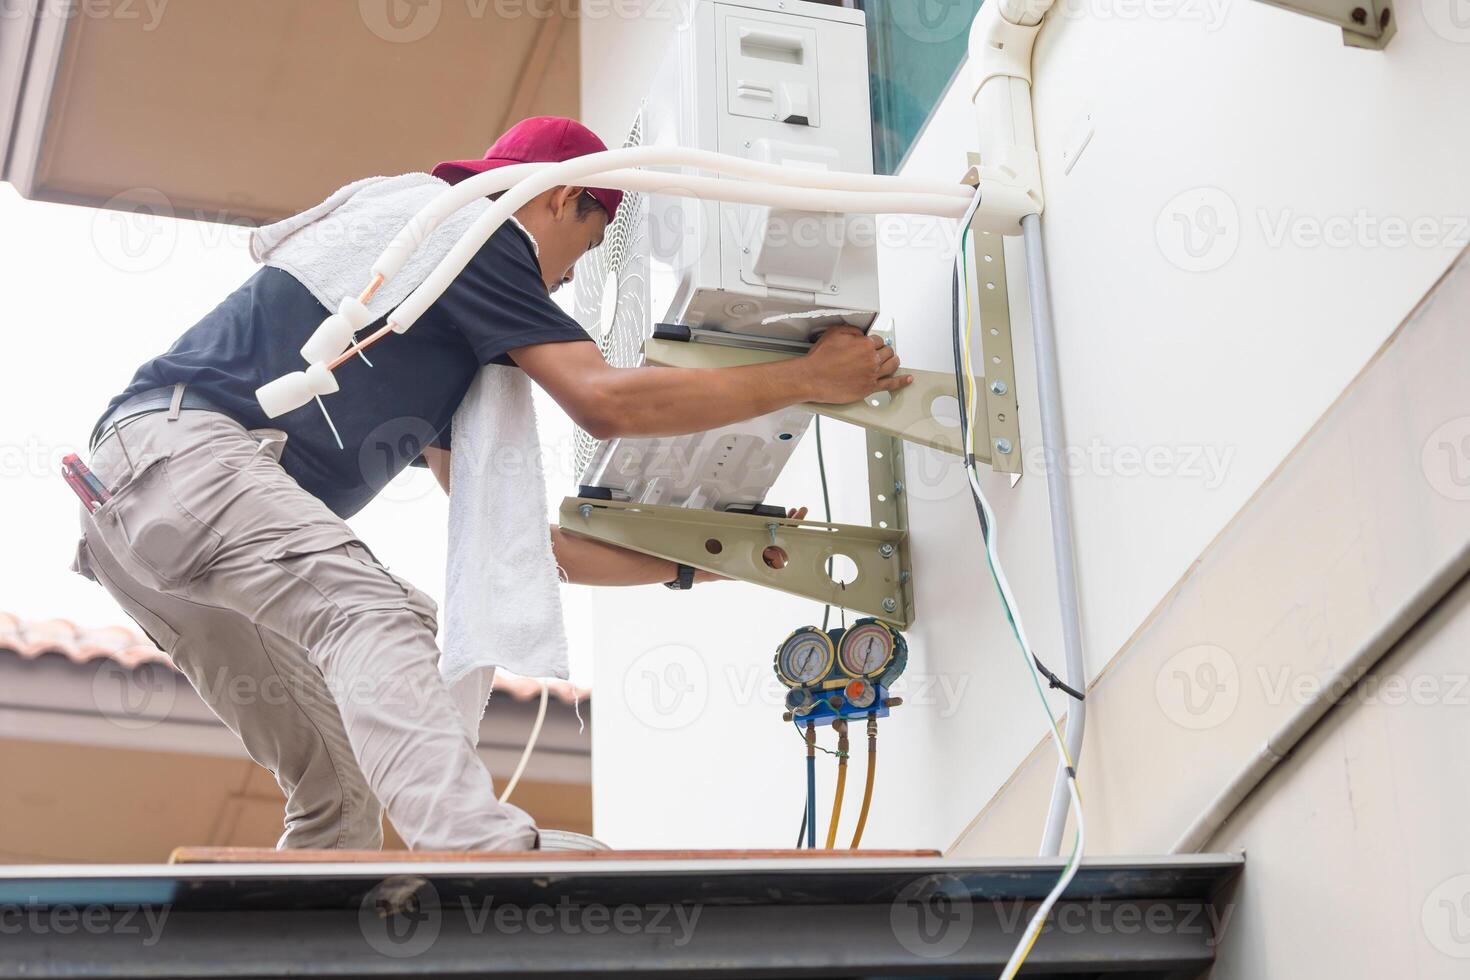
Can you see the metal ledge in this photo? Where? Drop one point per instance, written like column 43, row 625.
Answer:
column 688, row 917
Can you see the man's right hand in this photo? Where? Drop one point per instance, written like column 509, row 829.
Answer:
column 845, row 365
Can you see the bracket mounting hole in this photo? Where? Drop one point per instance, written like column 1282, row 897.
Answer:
column 775, row 557
column 946, row 411
column 842, row 569
column 714, row 546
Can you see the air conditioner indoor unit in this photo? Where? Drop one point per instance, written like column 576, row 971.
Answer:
column 783, row 83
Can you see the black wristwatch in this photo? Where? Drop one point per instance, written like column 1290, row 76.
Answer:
column 683, row 581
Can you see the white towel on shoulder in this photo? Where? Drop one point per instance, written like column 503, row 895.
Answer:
column 503, row 601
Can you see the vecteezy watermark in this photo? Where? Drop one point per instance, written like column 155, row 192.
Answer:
column 1445, row 917
column 667, row 687
column 939, row 695
column 932, row 916
column 1110, row 917
column 1201, row 230
column 1203, row 464
column 1445, row 459
column 1450, row 19
column 1362, row 229
column 403, row 916
column 66, row 919
column 406, row 21
column 135, row 698
column 1198, row 230
column 147, row 13
column 1209, row 13
column 1198, row 687
column 135, row 230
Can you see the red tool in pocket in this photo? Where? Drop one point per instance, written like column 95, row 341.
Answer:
column 84, row 482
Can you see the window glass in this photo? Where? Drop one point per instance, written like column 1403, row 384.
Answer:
column 914, row 50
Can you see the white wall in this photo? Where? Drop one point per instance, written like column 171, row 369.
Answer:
column 1207, row 367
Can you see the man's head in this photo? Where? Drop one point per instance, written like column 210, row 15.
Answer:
column 565, row 221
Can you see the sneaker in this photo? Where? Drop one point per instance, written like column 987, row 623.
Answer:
column 567, row 840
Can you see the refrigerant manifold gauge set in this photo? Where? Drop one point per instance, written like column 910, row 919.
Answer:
column 842, row 673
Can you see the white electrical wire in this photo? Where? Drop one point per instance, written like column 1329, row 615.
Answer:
column 969, row 391
column 515, row 778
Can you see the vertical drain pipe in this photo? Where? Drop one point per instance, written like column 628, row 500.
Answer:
column 1059, row 499
column 1001, row 42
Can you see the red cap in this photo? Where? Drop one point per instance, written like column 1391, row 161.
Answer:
column 540, row 139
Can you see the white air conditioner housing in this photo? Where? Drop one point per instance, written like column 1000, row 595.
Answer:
column 780, row 81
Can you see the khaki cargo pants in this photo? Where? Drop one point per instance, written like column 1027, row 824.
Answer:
column 322, row 661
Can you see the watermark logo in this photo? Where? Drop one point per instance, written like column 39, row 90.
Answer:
column 933, row 21
column 1199, row 229
column 1445, row 917
column 400, row 21
column 1450, row 19
column 401, row 917
column 136, row 231
column 134, row 698
column 1198, row 687
column 667, row 687
column 1445, row 459
column 391, row 447
column 932, row 916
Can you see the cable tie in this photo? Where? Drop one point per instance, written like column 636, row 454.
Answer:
column 1055, row 682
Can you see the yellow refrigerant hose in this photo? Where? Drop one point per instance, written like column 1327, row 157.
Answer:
column 857, row 835
column 841, row 727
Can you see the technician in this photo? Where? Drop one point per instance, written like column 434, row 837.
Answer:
column 226, row 536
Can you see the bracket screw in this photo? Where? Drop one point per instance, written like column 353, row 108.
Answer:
column 890, row 605
column 903, row 578
column 586, row 510
column 886, row 550
column 998, row 387
column 1003, row 446
column 898, row 486
column 834, row 287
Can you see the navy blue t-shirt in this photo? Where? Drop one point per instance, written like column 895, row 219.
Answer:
column 387, row 413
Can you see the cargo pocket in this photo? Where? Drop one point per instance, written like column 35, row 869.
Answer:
column 151, row 534
column 341, row 567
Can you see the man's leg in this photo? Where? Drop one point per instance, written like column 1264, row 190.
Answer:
column 267, row 692
column 217, row 521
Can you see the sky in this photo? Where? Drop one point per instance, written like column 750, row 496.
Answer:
column 89, row 295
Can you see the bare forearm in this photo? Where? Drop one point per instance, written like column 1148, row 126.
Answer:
column 662, row 401
column 589, row 562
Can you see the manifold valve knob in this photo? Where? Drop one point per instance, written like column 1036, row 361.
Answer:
column 329, row 340
column 289, row 392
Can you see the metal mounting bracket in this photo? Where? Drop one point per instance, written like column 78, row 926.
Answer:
column 908, row 414
column 997, row 430
column 787, row 555
column 1365, row 23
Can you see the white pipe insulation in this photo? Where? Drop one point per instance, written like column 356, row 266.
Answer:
column 583, row 170
column 794, row 189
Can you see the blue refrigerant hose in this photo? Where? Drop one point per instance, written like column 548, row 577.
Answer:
column 811, row 800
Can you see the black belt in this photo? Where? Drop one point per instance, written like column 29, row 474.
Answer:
column 147, row 402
